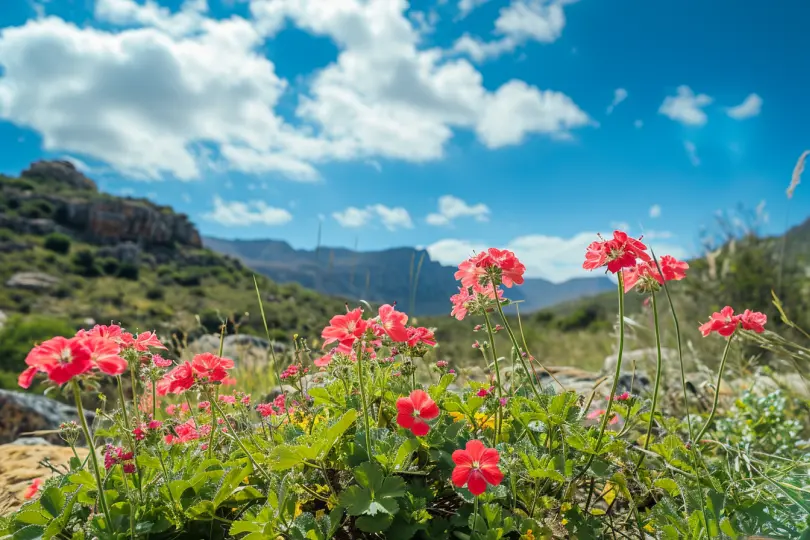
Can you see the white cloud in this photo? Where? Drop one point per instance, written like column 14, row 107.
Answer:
column 691, row 151
column 550, row 257
column 638, row 124
column 518, row 23
column 751, row 107
column 686, row 107
column 655, row 211
column 241, row 214
column 212, row 94
column 451, row 207
column 619, row 95
column 466, row 6
column 392, row 218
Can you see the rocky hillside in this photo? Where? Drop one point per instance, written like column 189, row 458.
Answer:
column 71, row 253
column 405, row 275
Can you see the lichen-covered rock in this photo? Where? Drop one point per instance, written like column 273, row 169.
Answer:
column 25, row 413
column 62, row 171
column 34, row 281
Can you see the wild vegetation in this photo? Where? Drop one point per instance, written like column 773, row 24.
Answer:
column 365, row 450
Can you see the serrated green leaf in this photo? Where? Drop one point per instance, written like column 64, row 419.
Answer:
column 335, row 432
column 31, row 516
column 52, row 500
column 374, row 524
column 669, row 485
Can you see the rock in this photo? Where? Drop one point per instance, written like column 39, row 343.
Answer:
column 125, row 252
column 32, row 441
column 21, row 464
column 25, row 413
column 12, row 246
column 643, row 359
column 34, row 281
column 62, row 171
column 237, row 347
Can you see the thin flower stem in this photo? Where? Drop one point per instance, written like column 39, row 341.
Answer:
column 475, row 518
column 717, row 388
column 363, row 398
column 154, row 400
column 213, row 422
column 238, row 440
column 657, row 386
column 123, row 401
column 498, row 419
column 132, row 372
column 77, row 396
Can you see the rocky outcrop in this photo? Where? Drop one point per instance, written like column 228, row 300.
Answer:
column 63, row 172
column 34, row 281
column 21, row 464
column 25, row 413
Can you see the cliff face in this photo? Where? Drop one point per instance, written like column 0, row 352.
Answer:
column 52, row 196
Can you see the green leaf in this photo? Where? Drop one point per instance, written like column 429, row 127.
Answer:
column 230, row 482
column 669, row 485
column 282, row 458
column 335, row 432
column 374, row 524
column 31, row 517
column 202, row 510
column 52, row 501
column 30, row 532
column 404, row 452
column 82, row 477
column 728, row 528
column 356, row 500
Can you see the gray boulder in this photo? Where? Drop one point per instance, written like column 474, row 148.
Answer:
column 24, row 413
column 34, row 281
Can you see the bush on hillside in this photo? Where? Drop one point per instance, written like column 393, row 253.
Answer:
column 58, row 243
column 20, row 334
column 129, row 271
column 85, row 264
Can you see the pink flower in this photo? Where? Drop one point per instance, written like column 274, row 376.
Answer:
column 619, row 252
column 265, row 409
column 622, row 397
column 672, row 268
column 60, row 358
column 324, row 360
column 393, row 322
column 483, row 392
column 32, row 490
column 345, row 329
column 724, row 323
column 105, row 355
column 177, row 380
column 160, row 362
column 230, row 400
column 211, row 367
column 185, row 432
column 146, row 340
column 476, row 467
column 754, row 320
column 473, row 271
column 414, row 410
column 139, row 433
column 461, row 302
column 155, row 424
column 598, row 413
column 420, row 335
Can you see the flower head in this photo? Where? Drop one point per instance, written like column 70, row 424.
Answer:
column 146, row 340
column 345, row 329
column 412, row 411
column 753, row 320
column 619, row 252
column 393, row 322
column 476, row 467
column 420, row 335
column 33, row 488
column 724, row 322
column 177, row 380
column 105, row 354
column 211, row 367
column 60, row 358
column 598, row 413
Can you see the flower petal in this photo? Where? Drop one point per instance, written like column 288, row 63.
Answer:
column 460, row 475
column 476, row 483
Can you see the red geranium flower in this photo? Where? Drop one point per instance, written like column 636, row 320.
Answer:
column 473, row 270
column 32, row 490
column 421, row 335
column 672, row 268
column 754, row 320
column 724, row 323
column 60, row 358
column 105, row 354
column 393, row 322
column 619, row 252
column 476, row 466
column 598, row 413
column 211, row 367
column 345, row 329
column 177, row 380
column 414, row 410
column 461, row 302
column 146, row 340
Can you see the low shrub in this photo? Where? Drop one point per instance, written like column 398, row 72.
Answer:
column 58, row 243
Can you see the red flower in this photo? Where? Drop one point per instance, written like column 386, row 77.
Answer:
column 324, row 360
column 211, row 367
column 32, row 490
column 105, row 354
column 265, row 409
column 414, row 410
column 160, row 362
column 177, row 380
column 622, row 397
column 511, row 268
column 754, row 320
column 476, row 466
column 461, row 302
column 472, row 271
column 60, row 358
column 345, row 329
column 724, row 323
column 186, row 432
column 619, row 252
column 645, row 273
column 672, row 268
column 146, row 340
column 598, row 413
column 393, row 322
column 421, row 335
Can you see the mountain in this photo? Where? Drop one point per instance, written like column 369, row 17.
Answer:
column 71, row 252
column 404, row 275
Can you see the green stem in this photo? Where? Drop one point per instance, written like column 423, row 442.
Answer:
column 475, row 518
column 499, row 417
column 238, row 440
column 716, row 388
column 363, row 398
column 154, row 400
column 132, row 372
column 213, row 422
column 657, row 380
column 175, row 507
column 77, row 396
column 123, row 402
column 516, row 345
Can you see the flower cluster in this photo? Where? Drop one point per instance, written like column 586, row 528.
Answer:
column 271, row 409
column 295, row 371
column 725, row 322
column 116, row 455
column 102, row 348
column 203, row 369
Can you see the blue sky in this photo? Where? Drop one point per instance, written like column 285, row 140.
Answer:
column 453, row 125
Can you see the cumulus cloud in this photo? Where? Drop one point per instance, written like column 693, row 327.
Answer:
column 451, row 207
column 655, row 211
column 392, row 218
column 554, row 258
column 241, row 214
column 750, row 107
column 686, row 107
column 212, row 95
column 619, row 95
column 521, row 21
column 466, row 6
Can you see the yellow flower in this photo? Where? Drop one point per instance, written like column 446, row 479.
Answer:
column 485, row 421
column 649, row 528
column 297, row 509
column 529, row 535
column 457, row 416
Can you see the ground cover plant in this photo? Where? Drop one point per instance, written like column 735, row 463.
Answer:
column 369, row 452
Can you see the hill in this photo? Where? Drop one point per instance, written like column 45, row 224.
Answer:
column 70, row 252
column 405, row 275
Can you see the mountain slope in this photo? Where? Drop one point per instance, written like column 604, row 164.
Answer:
column 72, row 252
column 392, row 275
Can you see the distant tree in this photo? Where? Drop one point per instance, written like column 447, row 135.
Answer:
column 58, row 243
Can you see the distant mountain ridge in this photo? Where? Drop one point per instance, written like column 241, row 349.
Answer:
column 404, row 275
